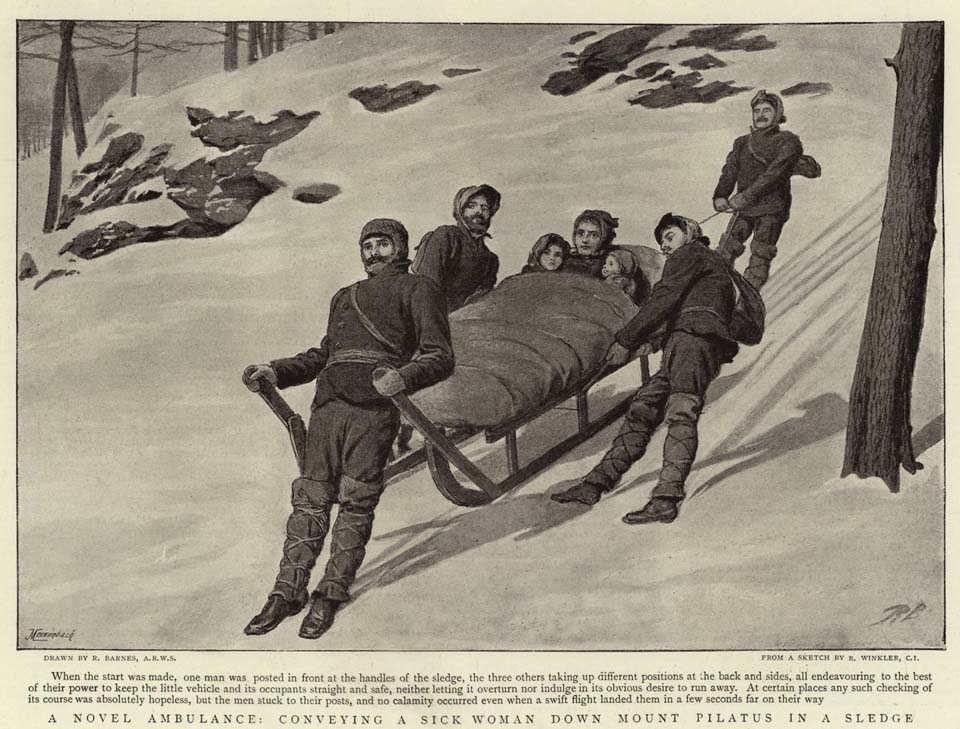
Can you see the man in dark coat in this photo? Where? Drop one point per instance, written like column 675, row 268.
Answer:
column 760, row 166
column 694, row 299
column 385, row 335
column 456, row 257
column 593, row 234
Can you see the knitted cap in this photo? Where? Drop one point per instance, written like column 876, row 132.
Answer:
column 392, row 229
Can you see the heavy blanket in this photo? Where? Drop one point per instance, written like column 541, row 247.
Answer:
column 529, row 339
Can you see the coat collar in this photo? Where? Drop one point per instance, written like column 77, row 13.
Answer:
column 391, row 269
column 470, row 234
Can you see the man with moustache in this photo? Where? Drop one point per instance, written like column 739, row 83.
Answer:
column 759, row 165
column 456, row 257
column 385, row 335
column 593, row 234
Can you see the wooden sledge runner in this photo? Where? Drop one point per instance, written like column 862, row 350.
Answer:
column 440, row 451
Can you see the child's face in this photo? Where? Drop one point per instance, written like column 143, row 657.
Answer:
column 552, row 258
column 611, row 267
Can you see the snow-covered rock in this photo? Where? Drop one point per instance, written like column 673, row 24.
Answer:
column 215, row 194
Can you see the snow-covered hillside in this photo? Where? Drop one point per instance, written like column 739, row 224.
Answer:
column 153, row 488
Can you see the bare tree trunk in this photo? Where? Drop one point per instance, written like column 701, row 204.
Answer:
column 56, row 133
column 136, row 61
column 269, row 27
column 329, row 28
column 281, row 31
column 252, row 43
column 262, row 39
column 230, row 45
column 878, row 426
column 76, row 112
column 312, row 31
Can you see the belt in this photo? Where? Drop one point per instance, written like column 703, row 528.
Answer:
column 364, row 356
column 704, row 310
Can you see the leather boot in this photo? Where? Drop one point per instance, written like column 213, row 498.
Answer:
column 584, row 493
column 319, row 619
column 275, row 611
column 658, row 509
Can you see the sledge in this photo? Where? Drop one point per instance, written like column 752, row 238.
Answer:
column 533, row 345
column 440, row 452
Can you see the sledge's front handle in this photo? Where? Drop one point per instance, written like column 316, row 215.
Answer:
column 291, row 421
column 268, row 391
column 252, row 383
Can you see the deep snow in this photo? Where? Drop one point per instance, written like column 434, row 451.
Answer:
column 153, row 488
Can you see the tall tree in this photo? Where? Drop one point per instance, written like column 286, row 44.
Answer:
column 312, row 31
column 232, row 37
column 252, row 40
column 269, row 40
column 230, row 47
column 265, row 50
column 281, row 32
column 76, row 111
column 878, row 426
column 57, row 130
column 136, row 61
column 329, row 28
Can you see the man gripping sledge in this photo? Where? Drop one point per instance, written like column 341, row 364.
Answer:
column 695, row 299
column 386, row 335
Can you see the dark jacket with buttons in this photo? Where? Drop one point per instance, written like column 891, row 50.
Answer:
column 407, row 310
column 760, row 165
column 695, row 294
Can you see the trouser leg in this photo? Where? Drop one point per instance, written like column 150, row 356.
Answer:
column 365, row 451
column 732, row 245
column 763, row 249
column 312, row 497
column 629, row 445
column 680, row 446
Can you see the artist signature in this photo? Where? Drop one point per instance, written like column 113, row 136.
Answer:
column 41, row 635
column 901, row 613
